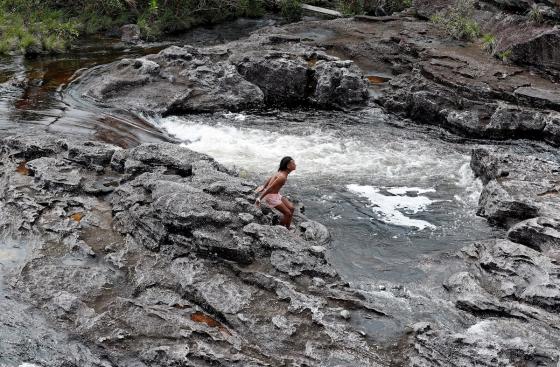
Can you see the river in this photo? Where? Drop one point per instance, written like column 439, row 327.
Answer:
column 398, row 198
column 395, row 199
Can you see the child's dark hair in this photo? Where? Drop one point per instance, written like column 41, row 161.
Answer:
column 284, row 163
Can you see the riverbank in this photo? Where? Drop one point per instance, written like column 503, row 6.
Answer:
column 154, row 255
column 30, row 27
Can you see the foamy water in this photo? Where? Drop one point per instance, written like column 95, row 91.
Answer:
column 366, row 164
column 390, row 196
column 322, row 153
column 391, row 207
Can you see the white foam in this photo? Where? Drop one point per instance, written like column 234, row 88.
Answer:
column 25, row 364
column 235, row 116
column 391, row 208
column 472, row 185
column 404, row 190
column 318, row 154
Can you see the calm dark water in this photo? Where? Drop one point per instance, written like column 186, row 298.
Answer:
column 32, row 90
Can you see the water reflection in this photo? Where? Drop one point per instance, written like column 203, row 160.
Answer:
column 32, row 90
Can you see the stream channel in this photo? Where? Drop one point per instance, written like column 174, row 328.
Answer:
column 398, row 198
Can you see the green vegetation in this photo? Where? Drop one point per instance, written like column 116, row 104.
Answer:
column 536, row 15
column 356, row 7
column 27, row 28
column 250, row 8
column 31, row 26
column 291, row 10
column 504, row 55
column 489, row 43
column 351, row 7
column 394, row 6
column 458, row 20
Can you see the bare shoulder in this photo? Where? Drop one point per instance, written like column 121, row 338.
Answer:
column 279, row 176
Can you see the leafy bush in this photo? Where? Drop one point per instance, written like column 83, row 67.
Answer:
column 27, row 27
column 53, row 24
column 458, row 20
column 351, row 7
column 394, row 6
column 291, row 10
column 356, row 7
column 250, row 8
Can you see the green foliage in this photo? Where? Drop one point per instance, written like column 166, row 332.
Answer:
column 504, row 55
column 291, row 10
column 53, row 24
column 458, row 21
column 27, row 26
column 356, row 7
column 535, row 14
column 250, row 8
column 394, row 6
column 351, row 7
column 489, row 43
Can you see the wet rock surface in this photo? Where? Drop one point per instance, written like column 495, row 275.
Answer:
column 517, row 187
column 417, row 71
column 270, row 68
column 174, row 265
column 510, row 286
column 156, row 256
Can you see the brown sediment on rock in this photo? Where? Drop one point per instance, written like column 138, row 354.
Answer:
column 439, row 81
column 77, row 217
column 22, row 169
column 375, row 79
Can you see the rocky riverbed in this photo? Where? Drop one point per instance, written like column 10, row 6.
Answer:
column 155, row 255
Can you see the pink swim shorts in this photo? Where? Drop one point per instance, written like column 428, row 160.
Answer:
column 273, row 200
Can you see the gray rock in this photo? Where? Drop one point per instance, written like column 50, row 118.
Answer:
column 314, row 231
column 340, row 84
column 542, row 49
column 263, row 69
column 501, row 205
column 282, row 77
column 517, row 187
column 55, row 173
column 345, row 314
column 130, row 33
column 490, row 342
column 148, row 157
column 91, row 153
column 552, row 129
column 516, row 272
column 541, row 234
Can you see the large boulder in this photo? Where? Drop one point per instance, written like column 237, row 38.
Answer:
column 517, row 187
column 542, row 50
column 282, row 77
column 339, row 83
column 265, row 69
column 174, row 265
column 174, row 81
column 541, row 234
